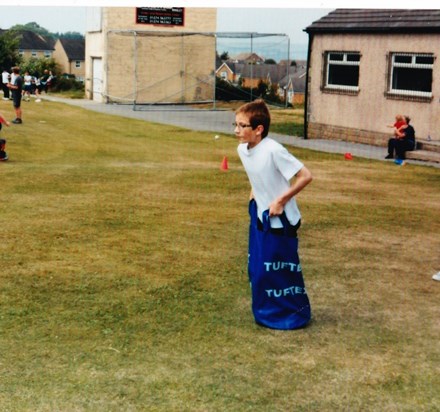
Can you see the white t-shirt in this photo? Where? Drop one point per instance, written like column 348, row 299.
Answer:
column 5, row 77
column 27, row 80
column 270, row 167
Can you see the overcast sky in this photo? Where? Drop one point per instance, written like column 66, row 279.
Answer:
column 54, row 19
column 280, row 18
column 289, row 21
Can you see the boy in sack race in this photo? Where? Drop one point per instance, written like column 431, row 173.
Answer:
column 279, row 297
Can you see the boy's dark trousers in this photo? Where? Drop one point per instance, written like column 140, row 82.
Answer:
column 5, row 90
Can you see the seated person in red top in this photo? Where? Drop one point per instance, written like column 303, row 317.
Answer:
column 398, row 124
column 404, row 141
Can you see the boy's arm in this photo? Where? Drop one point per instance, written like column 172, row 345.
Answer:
column 401, row 131
column 302, row 179
column 4, row 121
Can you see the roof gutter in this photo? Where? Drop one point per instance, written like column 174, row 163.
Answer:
column 373, row 30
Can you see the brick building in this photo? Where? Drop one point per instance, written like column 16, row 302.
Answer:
column 150, row 55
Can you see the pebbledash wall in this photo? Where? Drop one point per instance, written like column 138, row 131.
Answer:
column 363, row 116
column 127, row 61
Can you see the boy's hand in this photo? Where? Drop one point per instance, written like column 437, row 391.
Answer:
column 302, row 179
column 276, row 208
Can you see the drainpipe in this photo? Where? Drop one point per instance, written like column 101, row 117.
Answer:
column 135, row 80
column 252, row 67
column 215, row 68
column 288, row 73
column 306, row 100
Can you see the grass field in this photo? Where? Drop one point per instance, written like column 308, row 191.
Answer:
column 123, row 284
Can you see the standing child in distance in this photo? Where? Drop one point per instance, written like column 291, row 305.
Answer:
column 5, row 80
column 16, row 87
column 27, row 86
column 276, row 176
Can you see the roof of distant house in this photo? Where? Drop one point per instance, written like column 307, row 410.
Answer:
column 30, row 40
column 378, row 21
column 74, row 48
column 246, row 56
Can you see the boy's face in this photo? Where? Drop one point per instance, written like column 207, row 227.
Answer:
column 244, row 131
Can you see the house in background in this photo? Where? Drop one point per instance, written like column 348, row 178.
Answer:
column 289, row 80
column 248, row 58
column 367, row 65
column 34, row 45
column 70, row 56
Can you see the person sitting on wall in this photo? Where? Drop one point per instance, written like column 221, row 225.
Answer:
column 398, row 124
column 405, row 140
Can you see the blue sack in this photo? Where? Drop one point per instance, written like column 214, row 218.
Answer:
column 279, row 297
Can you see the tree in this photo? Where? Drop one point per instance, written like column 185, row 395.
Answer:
column 34, row 27
column 224, row 55
column 270, row 61
column 262, row 88
column 69, row 35
column 36, row 66
column 9, row 56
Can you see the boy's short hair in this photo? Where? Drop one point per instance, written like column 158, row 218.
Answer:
column 258, row 114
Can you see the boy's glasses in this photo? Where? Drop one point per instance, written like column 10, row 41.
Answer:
column 241, row 126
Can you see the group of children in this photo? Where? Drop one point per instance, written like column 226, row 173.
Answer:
column 32, row 85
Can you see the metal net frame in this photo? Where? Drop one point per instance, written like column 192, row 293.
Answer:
column 162, row 68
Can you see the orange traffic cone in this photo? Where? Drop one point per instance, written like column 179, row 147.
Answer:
column 224, row 165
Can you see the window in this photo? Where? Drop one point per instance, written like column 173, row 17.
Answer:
column 47, row 53
column 411, row 74
column 78, row 64
column 342, row 71
column 33, row 53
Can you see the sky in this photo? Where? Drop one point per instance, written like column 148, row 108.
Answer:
column 290, row 21
column 281, row 17
column 67, row 18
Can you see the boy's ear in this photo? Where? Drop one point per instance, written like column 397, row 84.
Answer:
column 260, row 129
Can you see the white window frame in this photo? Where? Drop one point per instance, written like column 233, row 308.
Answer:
column 343, row 62
column 77, row 64
column 34, row 53
column 412, row 65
